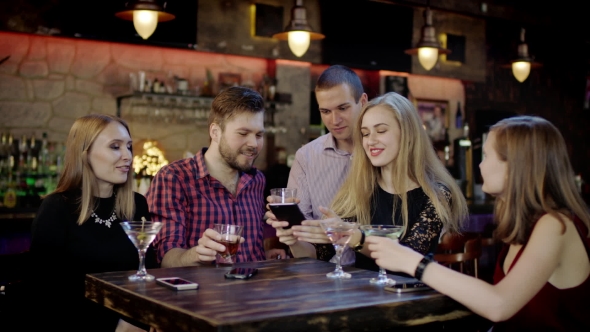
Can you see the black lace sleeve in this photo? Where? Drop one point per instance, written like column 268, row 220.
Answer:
column 424, row 233
column 324, row 252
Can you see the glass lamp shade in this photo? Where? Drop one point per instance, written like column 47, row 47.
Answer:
column 145, row 22
column 521, row 70
column 299, row 42
column 427, row 57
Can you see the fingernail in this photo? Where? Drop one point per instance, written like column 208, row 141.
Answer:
column 278, row 256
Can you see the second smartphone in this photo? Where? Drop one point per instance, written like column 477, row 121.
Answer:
column 288, row 212
column 177, row 283
column 241, row 273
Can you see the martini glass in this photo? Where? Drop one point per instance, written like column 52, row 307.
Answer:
column 141, row 233
column 391, row 231
column 339, row 232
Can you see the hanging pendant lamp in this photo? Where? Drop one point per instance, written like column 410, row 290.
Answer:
column 298, row 33
column 145, row 15
column 521, row 66
column 428, row 48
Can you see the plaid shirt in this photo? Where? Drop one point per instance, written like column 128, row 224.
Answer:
column 188, row 200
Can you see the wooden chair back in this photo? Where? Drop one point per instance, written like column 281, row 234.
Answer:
column 460, row 250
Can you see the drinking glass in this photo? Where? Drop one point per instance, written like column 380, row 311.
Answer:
column 339, row 232
column 230, row 238
column 391, row 231
column 283, row 195
column 141, row 233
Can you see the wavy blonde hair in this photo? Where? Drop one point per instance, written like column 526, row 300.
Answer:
column 540, row 178
column 416, row 161
column 77, row 173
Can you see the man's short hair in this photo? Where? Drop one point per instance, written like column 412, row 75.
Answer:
column 232, row 101
column 336, row 75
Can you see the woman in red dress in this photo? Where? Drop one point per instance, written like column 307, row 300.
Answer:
column 542, row 278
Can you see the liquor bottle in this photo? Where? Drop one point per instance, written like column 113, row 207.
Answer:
column 4, row 152
column 459, row 117
column 32, row 157
column 447, row 148
column 44, row 155
column 23, row 150
column 10, row 197
column 11, row 153
column 156, row 86
column 463, row 162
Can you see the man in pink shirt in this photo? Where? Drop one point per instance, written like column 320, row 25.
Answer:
column 321, row 166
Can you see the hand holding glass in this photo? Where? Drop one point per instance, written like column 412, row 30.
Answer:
column 391, row 231
column 230, row 238
column 339, row 232
column 141, row 233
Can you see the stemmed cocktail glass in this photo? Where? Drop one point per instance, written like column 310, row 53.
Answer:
column 390, row 231
column 141, row 233
column 339, row 232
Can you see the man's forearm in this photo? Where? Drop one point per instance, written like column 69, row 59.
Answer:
column 303, row 249
column 173, row 258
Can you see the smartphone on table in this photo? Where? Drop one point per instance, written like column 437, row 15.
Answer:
column 287, row 212
column 177, row 283
column 241, row 273
column 408, row 286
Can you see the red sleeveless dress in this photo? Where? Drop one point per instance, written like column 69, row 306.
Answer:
column 552, row 309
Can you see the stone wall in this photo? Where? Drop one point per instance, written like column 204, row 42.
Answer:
column 48, row 82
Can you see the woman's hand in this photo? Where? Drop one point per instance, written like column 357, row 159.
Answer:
column 311, row 231
column 276, row 254
column 391, row 255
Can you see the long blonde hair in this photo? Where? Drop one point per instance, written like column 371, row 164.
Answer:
column 416, row 161
column 77, row 173
column 540, row 178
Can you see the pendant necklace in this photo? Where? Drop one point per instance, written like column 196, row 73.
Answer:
column 108, row 221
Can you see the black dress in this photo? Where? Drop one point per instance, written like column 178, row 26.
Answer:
column 424, row 225
column 63, row 252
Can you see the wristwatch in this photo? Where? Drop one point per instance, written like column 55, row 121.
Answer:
column 359, row 245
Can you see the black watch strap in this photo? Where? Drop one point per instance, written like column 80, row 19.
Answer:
column 359, row 246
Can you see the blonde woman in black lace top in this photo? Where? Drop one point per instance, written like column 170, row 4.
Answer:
column 396, row 178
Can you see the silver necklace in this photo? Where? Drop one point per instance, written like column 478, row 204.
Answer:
column 107, row 222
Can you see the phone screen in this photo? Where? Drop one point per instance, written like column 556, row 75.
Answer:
column 404, row 287
column 178, row 281
column 288, row 212
column 241, row 273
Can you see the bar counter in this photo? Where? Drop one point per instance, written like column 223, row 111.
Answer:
column 285, row 295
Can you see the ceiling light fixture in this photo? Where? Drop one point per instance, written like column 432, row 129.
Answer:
column 428, row 48
column 521, row 67
column 298, row 32
column 145, row 15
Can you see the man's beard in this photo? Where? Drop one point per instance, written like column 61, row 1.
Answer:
column 231, row 157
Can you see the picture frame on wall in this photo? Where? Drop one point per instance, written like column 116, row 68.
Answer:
column 397, row 84
column 435, row 115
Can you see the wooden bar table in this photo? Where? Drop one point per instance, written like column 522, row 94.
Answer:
column 285, row 295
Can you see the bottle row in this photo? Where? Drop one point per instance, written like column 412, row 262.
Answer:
column 29, row 168
column 29, row 155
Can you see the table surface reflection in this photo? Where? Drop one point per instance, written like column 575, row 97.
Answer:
column 285, row 295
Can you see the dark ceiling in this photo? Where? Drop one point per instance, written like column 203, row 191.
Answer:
column 73, row 18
